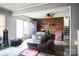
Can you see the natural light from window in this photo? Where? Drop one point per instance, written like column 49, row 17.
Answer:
column 66, row 21
column 2, row 24
column 19, row 28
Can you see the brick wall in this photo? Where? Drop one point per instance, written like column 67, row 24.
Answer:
column 54, row 24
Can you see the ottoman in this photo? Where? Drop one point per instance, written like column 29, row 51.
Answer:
column 28, row 52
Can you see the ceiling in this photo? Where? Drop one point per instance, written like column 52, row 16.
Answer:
column 59, row 12
column 36, row 10
column 17, row 6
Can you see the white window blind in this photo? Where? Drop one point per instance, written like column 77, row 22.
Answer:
column 2, row 24
column 19, row 28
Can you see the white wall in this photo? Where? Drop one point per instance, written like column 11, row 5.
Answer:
column 11, row 26
column 74, row 27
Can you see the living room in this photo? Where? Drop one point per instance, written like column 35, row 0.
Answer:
column 24, row 28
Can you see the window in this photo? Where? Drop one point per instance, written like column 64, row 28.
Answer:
column 66, row 21
column 29, row 28
column 19, row 28
column 2, row 24
column 24, row 28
